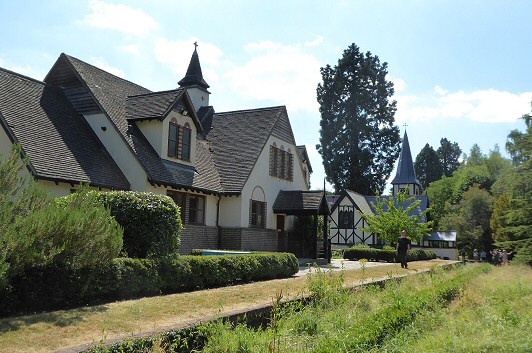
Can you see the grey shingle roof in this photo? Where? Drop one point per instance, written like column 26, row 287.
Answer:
column 61, row 145
column 237, row 139
column 152, row 105
column 112, row 92
column 405, row 169
column 301, row 202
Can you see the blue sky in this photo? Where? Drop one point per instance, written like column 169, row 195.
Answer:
column 461, row 68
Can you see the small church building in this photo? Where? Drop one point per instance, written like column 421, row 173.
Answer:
column 239, row 177
column 347, row 227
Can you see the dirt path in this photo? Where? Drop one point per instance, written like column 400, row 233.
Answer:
column 59, row 330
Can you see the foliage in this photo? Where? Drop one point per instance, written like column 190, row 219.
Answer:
column 358, row 142
column 151, row 223
column 395, row 214
column 446, row 193
column 428, row 166
column 519, row 144
column 388, row 255
column 470, row 218
column 449, row 154
column 54, row 286
column 512, row 219
column 37, row 231
column 79, row 232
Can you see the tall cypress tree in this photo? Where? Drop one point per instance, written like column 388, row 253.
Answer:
column 359, row 142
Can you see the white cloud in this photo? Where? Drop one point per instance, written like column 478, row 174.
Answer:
column 25, row 70
column 486, row 106
column 314, row 43
column 120, row 17
column 176, row 54
column 131, row 49
column 100, row 62
column 285, row 74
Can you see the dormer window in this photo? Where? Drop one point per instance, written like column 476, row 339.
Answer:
column 179, row 140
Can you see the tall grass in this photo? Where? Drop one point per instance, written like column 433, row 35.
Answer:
column 473, row 308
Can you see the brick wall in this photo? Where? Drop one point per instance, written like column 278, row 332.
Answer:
column 198, row 237
column 202, row 237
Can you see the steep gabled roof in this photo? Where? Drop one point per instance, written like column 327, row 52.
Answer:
column 61, row 145
column 237, row 139
column 405, row 169
column 111, row 94
column 157, row 105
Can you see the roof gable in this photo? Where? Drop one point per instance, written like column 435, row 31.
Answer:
column 237, row 139
column 157, row 105
column 61, row 145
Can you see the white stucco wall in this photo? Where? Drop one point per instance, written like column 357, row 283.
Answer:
column 153, row 131
column 238, row 216
column 119, row 151
column 5, row 143
column 199, row 97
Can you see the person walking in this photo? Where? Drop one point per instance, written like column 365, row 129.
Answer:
column 475, row 255
column 483, row 256
column 403, row 248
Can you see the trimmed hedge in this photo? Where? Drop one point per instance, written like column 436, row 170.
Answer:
column 54, row 287
column 151, row 223
column 371, row 254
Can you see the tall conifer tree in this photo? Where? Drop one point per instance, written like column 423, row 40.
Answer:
column 359, row 142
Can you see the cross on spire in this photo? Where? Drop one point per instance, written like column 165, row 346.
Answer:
column 405, row 125
column 195, row 45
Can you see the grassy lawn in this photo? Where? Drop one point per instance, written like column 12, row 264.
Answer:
column 51, row 331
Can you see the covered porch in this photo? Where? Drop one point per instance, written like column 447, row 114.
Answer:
column 300, row 236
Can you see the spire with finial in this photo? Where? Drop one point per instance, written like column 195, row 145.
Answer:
column 194, row 76
column 406, row 174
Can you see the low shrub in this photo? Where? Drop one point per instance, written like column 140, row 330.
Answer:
column 388, row 255
column 54, row 286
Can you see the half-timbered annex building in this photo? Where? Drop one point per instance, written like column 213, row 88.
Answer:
column 347, row 226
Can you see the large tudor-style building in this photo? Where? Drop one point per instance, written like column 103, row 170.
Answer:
column 238, row 177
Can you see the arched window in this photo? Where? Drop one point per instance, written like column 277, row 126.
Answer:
column 187, row 137
column 257, row 208
column 173, row 138
column 179, row 140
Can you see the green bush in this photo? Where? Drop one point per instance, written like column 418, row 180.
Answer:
column 371, row 254
column 75, row 232
column 55, row 286
column 151, row 223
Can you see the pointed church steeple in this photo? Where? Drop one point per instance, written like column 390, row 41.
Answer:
column 406, row 175
column 194, row 83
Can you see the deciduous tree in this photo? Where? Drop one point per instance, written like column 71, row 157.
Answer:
column 359, row 142
column 394, row 214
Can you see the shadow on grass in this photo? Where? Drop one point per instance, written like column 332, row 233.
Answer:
column 60, row 318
